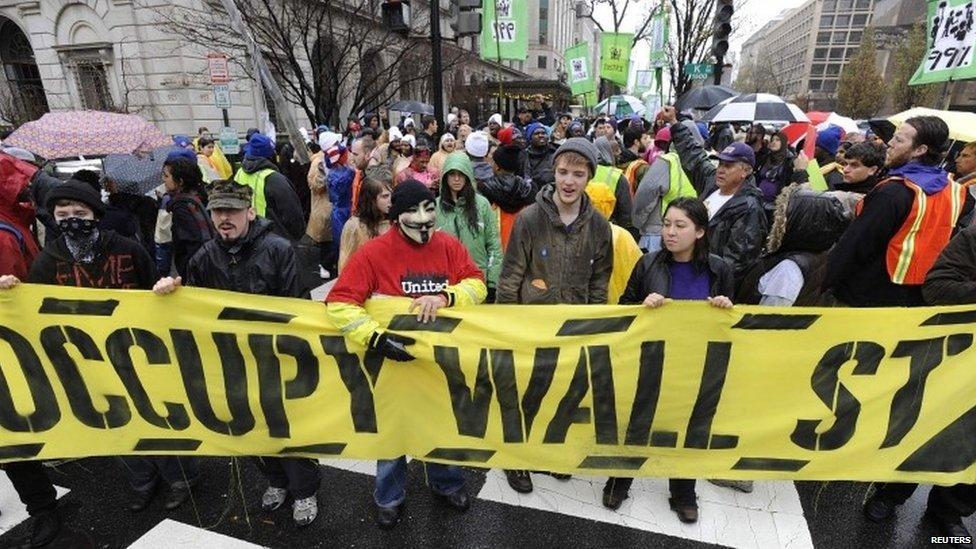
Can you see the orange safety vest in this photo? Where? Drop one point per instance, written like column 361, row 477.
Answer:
column 631, row 174
column 357, row 183
column 506, row 222
column 925, row 232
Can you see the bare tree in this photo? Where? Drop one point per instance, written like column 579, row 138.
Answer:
column 763, row 75
column 322, row 52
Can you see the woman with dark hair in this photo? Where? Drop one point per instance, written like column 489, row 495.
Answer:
column 191, row 224
column 467, row 215
column 372, row 207
column 682, row 269
column 777, row 171
column 206, row 160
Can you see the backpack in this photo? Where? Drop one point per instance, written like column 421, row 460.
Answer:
column 18, row 236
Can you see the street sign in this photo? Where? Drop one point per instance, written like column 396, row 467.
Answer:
column 219, row 71
column 698, row 71
column 229, row 142
column 221, row 93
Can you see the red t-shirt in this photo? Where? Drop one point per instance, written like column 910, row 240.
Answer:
column 394, row 265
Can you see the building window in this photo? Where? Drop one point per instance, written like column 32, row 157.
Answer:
column 860, row 20
column 23, row 78
column 815, row 84
column 829, row 85
column 855, row 37
column 817, row 69
column 829, row 5
column 833, row 69
column 826, row 20
column 837, row 53
column 843, row 21
column 543, row 21
column 823, row 38
column 820, row 53
column 542, row 61
column 845, row 5
column 863, row 4
column 93, row 85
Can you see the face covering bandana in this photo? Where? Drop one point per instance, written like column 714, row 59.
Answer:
column 417, row 223
column 80, row 236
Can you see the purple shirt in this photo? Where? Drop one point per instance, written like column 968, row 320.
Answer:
column 687, row 282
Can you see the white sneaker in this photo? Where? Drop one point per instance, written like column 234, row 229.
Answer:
column 273, row 498
column 305, row 510
column 323, row 274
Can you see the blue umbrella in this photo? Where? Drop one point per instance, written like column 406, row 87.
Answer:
column 134, row 174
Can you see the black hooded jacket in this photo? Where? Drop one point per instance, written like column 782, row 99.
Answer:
column 508, row 191
column 737, row 231
column 120, row 264
column 284, row 207
column 260, row 262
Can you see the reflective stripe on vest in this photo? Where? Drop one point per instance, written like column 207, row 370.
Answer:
column 256, row 182
column 925, row 232
column 603, row 187
column 631, row 173
column 679, row 186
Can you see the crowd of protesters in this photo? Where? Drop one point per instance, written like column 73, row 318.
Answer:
column 543, row 209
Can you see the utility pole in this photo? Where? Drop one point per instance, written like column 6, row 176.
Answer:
column 436, row 64
column 282, row 108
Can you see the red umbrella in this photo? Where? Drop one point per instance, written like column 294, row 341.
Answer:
column 795, row 131
column 817, row 117
column 87, row 133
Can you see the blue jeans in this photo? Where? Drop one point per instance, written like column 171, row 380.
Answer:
column 391, row 480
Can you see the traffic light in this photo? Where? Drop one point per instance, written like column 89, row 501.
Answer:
column 722, row 28
column 396, row 16
column 465, row 19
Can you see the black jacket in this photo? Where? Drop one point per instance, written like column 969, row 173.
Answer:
column 284, row 208
column 144, row 209
column 737, row 231
column 192, row 228
column 260, row 262
column 508, row 191
column 538, row 166
column 857, row 270
column 952, row 279
column 120, row 264
column 651, row 275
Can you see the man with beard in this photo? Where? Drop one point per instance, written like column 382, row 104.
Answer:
column 432, row 267
column 248, row 257
column 903, row 224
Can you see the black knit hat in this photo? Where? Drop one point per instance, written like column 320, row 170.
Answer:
column 406, row 195
column 79, row 191
column 507, row 157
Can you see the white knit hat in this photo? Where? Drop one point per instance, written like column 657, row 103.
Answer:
column 476, row 144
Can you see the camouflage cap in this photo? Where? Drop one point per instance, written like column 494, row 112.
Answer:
column 228, row 194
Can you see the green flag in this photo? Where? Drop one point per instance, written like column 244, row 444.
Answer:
column 816, row 179
column 615, row 56
column 580, row 75
column 658, row 37
column 951, row 44
column 505, row 30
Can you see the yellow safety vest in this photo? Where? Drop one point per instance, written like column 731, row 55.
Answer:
column 679, row 185
column 603, row 187
column 256, row 182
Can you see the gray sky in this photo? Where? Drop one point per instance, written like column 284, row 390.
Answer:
column 750, row 16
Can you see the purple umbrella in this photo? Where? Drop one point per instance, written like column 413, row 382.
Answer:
column 87, row 133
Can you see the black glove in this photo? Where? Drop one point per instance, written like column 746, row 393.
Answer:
column 392, row 346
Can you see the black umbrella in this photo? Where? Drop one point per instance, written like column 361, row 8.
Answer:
column 704, row 98
column 413, row 107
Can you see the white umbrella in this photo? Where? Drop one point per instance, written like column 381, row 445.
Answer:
column 755, row 107
column 620, row 105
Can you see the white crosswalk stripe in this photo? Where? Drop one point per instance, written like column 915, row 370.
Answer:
column 171, row 534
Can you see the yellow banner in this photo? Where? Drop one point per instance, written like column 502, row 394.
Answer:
column 681, row 391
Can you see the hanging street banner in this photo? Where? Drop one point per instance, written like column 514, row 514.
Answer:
column 951, row 43
column 615, row 56
column 505, row 30
column 581, row 79
column 643, row 81
column 684, row 391
column 658, row 37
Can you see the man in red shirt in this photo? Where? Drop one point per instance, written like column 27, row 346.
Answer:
column 436, row 270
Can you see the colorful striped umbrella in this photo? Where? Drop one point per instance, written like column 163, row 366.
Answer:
column 87, row 133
